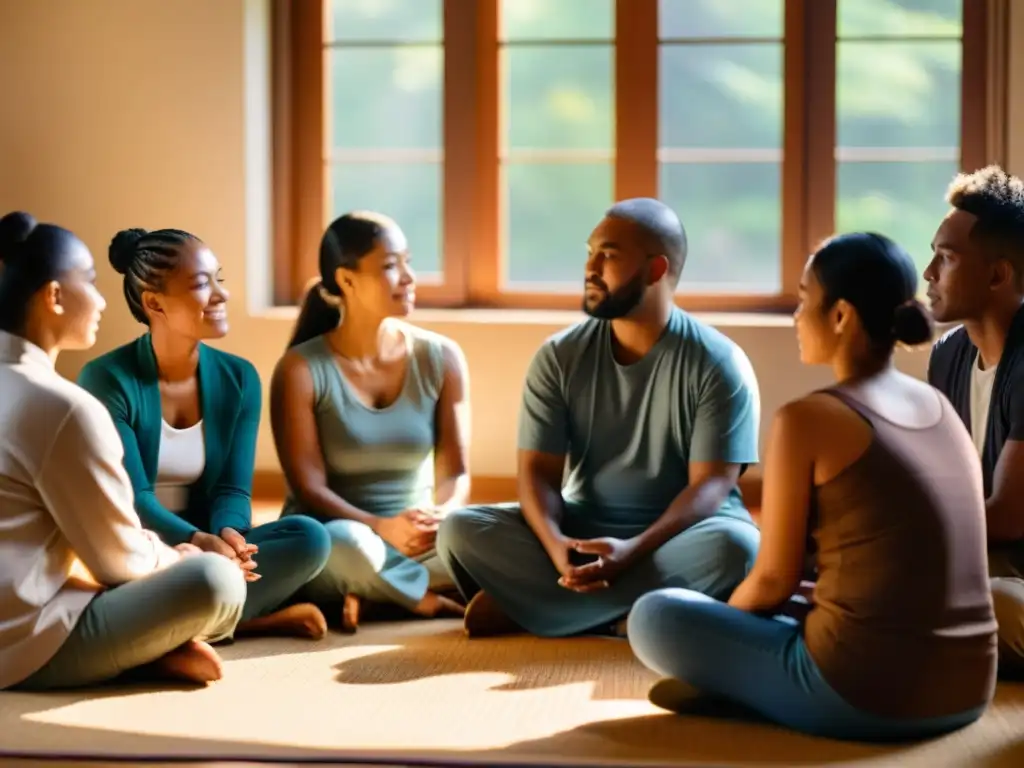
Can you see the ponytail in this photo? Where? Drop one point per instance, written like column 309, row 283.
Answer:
column 316, row 317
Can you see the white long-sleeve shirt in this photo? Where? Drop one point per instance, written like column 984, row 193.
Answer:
column 68, row 526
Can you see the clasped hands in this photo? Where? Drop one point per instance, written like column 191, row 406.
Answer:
column 612, row 556
column 412, row 531
column 231, row 544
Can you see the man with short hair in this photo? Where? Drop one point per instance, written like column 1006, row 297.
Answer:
column 976, row 278
column 658, row 416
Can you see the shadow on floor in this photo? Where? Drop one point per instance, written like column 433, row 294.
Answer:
column 533, row 663
column 643, row 742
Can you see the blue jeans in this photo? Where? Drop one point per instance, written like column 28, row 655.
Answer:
column 761, row 663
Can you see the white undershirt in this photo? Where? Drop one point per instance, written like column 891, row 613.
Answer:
column 981, row 397
column 181, row 462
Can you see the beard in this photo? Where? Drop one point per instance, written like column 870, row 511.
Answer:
column 612, row 305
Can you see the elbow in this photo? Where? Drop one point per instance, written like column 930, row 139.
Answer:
column 308, row 492
column 774, row 588
column 1004, row 524
column 532, row 483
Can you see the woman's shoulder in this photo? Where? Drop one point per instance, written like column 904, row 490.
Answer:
column 113, row 368
column 441, row 353
column 234, row 368
column 422, row 337
column 811, row 409
column 232, row 362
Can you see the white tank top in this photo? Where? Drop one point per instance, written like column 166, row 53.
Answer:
column 181, row 463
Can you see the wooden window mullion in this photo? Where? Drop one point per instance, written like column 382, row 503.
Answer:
column 819, row 104
column 983, row 83
column 460, row 95
column 300, row 143
column 636, row 99
column 484, row 262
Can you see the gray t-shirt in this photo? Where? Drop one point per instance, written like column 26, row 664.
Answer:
column 630, row 431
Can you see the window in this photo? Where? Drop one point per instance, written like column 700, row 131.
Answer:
column 496, row 132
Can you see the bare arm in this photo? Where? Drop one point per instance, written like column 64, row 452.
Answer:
column 709, row 485
column 1005, row 506
column 297, row 441
column 724, row 440
column 539, row 483
column 451, row 444
column 786, row 501
column 543, row 445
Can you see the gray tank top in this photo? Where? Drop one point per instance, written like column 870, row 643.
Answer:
column 380, row 460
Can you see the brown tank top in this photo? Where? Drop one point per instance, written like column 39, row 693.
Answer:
column 903, row 624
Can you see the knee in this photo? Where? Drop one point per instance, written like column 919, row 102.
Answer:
column 657, row 624
column 457, row 530
column 214, row 582
column 654, row 612
column 312, row 539
column 1008, row 601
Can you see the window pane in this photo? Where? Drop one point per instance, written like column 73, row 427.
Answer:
column 904, row 201
column 395, row 21
column 558, row 97
column 733, row 220
column 721, row 95
column 898, row 94
column 720, row 18
column 410, row 193
column 557, row 19
column 387, row 97
column 899, row 18
column 550, row 210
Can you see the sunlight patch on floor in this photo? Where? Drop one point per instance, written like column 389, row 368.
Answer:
column 283, row 700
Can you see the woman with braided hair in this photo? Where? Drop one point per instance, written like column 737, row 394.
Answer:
column 86, row 593
column 188, row 416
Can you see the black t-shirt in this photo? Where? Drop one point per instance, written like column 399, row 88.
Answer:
column 949, row 371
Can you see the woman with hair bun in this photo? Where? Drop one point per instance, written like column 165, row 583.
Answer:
column 188, row 416
column 900, row 638
column 86, row 593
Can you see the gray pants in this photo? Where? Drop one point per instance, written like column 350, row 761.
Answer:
column 494, row 549
column 363, row 564
column 200, row 598
column 1008, row 599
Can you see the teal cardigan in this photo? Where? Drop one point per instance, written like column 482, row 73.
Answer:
column 125, row 380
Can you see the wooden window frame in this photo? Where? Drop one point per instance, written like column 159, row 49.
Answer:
column 473, row 238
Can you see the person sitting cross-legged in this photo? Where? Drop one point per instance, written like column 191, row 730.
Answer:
column 658, row 416
column 188, row 415
column 900, row 639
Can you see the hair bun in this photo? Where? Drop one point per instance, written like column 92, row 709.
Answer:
column 912, row 324
column 123, row 249
column 15, row 229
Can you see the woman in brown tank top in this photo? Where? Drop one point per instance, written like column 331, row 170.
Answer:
column 900, row 639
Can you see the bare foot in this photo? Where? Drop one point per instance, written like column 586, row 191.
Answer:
column 435, row 606
column 301, row 620
column 195, row 662
column 484, row 618
column 350, row 614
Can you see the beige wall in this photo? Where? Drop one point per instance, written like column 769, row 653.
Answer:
column 123, row 113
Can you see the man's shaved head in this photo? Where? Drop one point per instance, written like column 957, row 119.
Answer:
column 660, row 225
